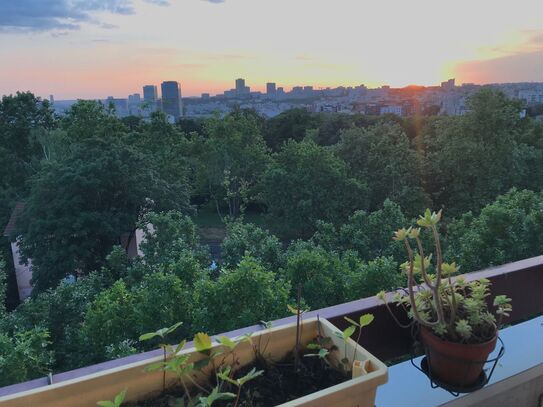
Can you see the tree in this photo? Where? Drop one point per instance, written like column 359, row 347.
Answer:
column 247, row 239
column 20, row 116
column 94, row 194
column 322, row 274
column 381, row 274
column 109, row 320
column 306, row 183
column 509, row 229
column 171, row 245
column 232, row 157
column 289, row 125
column 369, row 235
column 381, row 157
column 470, row 160
column 239, row 297
column 24, row 356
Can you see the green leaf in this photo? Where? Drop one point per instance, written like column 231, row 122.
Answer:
column 347, row 333
column 366, row 319
column 351, row 321
column 147, row 336
column 201, row 363
column 106, row 403
column 173, row 327
column 180, row 346
column 119, row 398
column 202, row 342
column 226, row 341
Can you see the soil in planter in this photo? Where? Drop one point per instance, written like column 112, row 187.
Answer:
column 278, row 384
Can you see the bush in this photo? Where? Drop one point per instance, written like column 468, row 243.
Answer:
column 248, row 239
column 507, row 230
column 239, row 297
column 24, row 356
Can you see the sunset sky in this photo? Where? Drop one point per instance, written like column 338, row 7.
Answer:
column 96, row 48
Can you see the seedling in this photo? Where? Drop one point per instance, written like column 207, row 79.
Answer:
column 162, row 334
column 214, row 396
column 117, row 401
column 225, row 375
column 364, row 320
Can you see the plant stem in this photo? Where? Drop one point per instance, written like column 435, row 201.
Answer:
column 237, row 397
column 356, row 346
column 186, row 389
column 163, row 371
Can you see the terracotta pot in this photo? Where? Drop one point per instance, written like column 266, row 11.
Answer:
column 454, row 363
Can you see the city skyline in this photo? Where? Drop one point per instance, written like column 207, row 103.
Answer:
column 89, row 50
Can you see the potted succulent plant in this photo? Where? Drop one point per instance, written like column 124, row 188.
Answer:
column 457, row 328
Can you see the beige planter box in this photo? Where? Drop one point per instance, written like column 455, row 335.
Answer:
column 87, row 390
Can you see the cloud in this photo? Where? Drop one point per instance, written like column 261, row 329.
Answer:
column 64, row 15
column 215, row 1
column 159, row 2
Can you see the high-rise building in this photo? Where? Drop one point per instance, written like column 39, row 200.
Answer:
column 171, row 99
column 150, row 93
column 270, row 88
column 240, row 86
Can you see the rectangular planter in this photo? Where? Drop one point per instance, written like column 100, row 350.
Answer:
column 87, row 390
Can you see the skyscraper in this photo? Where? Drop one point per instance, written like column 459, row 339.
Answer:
column 171, row 99
column 270, row 88
column 240, row 86
column 150, row 93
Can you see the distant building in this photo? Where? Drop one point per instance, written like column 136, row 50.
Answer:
column 119, row 104
column 397, row 110
column 448, row 85
column 150, row 93
column 531, row 97
column 134, row 104
column 205, row 96
column 171, row 99
column 240, row 86
column 270, row 89
column 51, row 99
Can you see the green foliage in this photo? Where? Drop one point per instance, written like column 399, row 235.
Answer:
column 94, row 194
column 120, row 313
column 239, row 297
column 60, row 312
column 289, row 125
column 248, row 239
column 25, row 355
column 456, row 311
column 321, row 273
column 20, row 150
column 509, row 229
column 231, row 160
column 373, row 276
column 117, row 401
column 368, row 234
column 171, row 245
column 469, row 160
column 306, row 183
column 381, row 157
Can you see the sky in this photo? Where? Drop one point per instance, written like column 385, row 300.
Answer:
column 99, row 48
